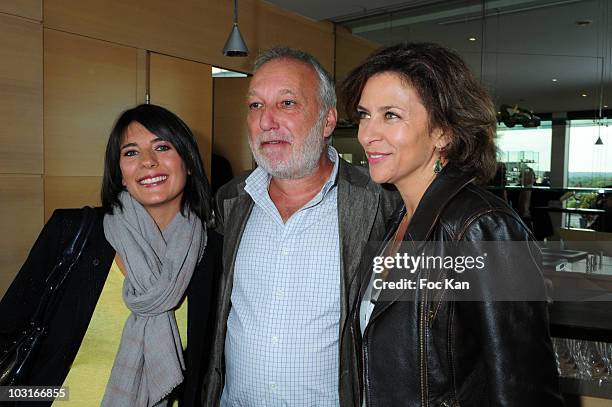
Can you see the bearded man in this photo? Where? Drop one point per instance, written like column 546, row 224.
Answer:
column 295, row 233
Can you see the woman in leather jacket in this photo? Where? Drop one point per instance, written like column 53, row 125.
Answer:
column 428, row 127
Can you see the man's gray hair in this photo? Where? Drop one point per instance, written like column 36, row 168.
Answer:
column 327, row 91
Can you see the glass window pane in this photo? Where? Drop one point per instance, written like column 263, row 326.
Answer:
column 590, row 164
column 519, row 148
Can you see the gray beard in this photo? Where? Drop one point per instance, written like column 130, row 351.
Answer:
column 302, row 162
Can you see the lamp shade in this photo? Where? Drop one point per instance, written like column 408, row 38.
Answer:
column 235, row 46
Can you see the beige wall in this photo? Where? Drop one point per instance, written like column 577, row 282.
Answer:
column 87, row 84
column 21, row 135
column 21, row 201
column 195, row 30
column 31, row 9
column 21, row 95
column 230, row 134
column 350, row 52
column 95, row 65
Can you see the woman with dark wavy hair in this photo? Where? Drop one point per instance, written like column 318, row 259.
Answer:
column 427, row 126
column 143, row 286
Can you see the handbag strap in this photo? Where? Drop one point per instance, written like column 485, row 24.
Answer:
column 66, row 262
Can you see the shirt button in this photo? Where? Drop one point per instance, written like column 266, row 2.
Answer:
column 275, row 339
column 96, row 262
column 285, row 251
column 280, row 294
column 273, row 386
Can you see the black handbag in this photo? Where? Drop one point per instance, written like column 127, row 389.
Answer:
column 16, row 361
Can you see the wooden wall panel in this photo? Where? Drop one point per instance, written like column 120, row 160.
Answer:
column 142, row 76
column 21, row 217
column 21, row 96
column 271, row 26
column 87, row 84
column 350, row 52
column 230, row 130
column 196, row 30
column 71, row 192
column 23, row 8
column 185, row 88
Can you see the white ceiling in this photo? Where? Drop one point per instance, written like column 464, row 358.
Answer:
column 527, row 43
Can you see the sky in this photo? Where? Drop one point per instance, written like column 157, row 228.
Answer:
column 585, row 156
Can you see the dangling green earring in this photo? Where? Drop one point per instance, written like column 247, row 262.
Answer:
column 438, row 166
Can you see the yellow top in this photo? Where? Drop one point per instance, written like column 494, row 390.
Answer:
column 92, row 366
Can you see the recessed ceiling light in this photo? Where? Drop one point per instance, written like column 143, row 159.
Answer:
column 605, row 106
column 554, row 79
column 472, row 39
column 583, row 23
column 584, row 95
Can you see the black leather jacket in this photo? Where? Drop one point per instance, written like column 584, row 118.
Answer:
column 459, row 353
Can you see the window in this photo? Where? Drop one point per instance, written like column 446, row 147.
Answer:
column 520, row 148
column 590, row 164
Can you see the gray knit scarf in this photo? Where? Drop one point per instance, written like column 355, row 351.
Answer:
column 159, row 265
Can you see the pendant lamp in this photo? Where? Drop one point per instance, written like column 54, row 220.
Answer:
column 235, row 46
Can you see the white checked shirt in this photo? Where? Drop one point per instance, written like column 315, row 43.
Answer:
column 281, row 347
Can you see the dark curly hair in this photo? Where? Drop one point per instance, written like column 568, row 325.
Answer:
column 167, row 126
column 454, row 100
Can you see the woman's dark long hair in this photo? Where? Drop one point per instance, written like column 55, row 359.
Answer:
column 169, row 127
